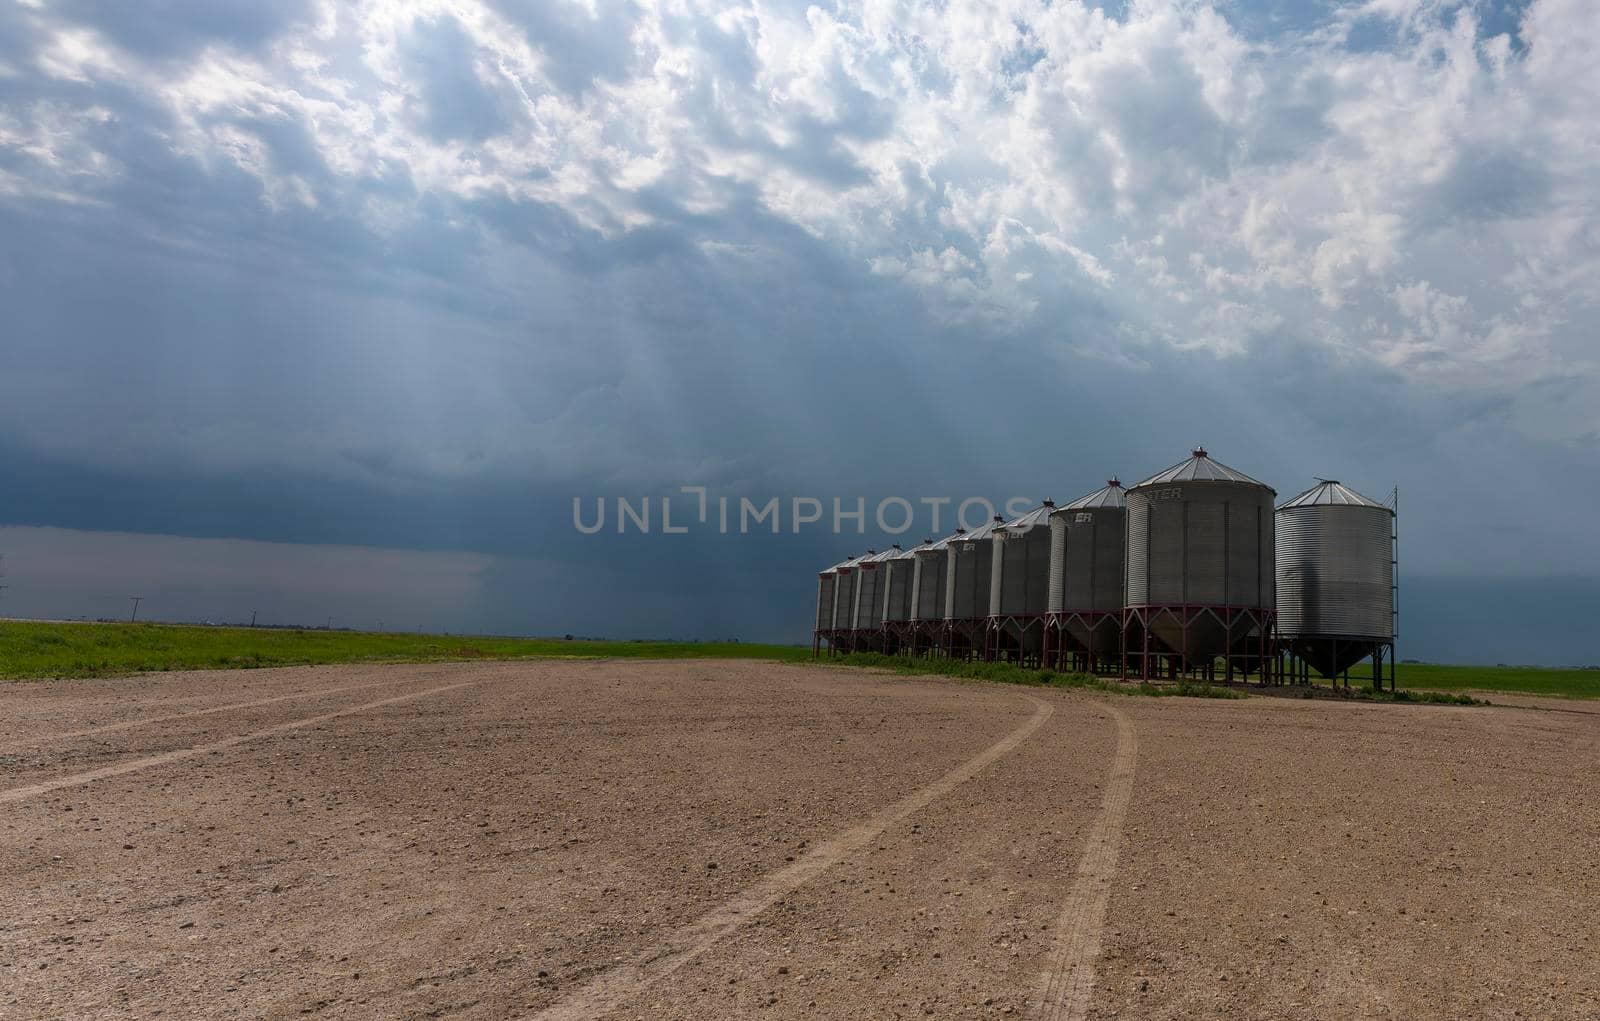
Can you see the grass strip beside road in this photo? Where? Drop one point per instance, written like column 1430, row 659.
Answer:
column 35, row 649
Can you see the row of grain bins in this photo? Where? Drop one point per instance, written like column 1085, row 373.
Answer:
column 1192, row 571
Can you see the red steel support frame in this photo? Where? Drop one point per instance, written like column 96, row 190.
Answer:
column 996, row 631
column 968, row 632
column 1264, row 620
column 1059, row 641
column 1052, row 629
column 897, row 635
column 927, row 635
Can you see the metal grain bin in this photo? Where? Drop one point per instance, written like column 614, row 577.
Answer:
column 826, row 580
column 844, row 593
column 897, row 587
column 970, row 560
column 1200, row 557
column 1335, row 558
column 929, row 576
column 870, row 572
column 1088, row 550
column 1020, row 568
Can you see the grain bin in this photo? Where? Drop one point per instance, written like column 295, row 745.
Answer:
column 899, row 632
column 1019, row 586
column 831, row 623
column 928, row 579
column 1335, row 576
column 1200, row 577
column 968, row 568
column 827, row 580
column 844, row 600
column 868, row 613
column 897, row 583
column 1088, row 548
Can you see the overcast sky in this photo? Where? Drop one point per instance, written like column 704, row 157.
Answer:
column 380, row 287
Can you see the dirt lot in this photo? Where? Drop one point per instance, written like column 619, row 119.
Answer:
column 728, row 840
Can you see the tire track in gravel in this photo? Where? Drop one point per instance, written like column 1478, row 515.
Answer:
column 180, row 754
column 615, row 987
column 210, row 710
column 1068, row 979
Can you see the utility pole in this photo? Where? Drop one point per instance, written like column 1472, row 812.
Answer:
column 135, row 615
column 253, row 617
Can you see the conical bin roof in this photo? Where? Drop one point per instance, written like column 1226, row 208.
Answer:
column 1110, row 495
column 1201, row 468
column 1332, row 493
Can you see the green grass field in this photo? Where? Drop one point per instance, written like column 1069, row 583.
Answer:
column 41, row 649
column 38, row 649
column 1517, row 679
